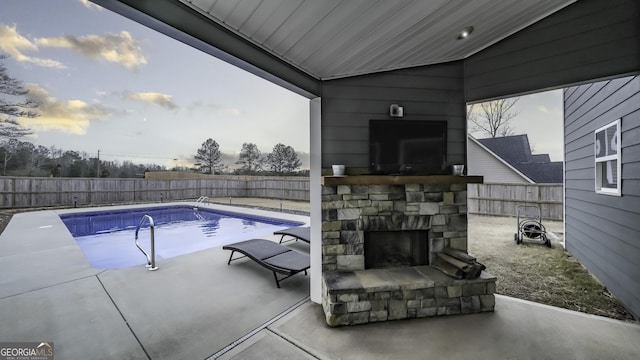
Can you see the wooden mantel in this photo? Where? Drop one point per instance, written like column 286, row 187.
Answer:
column 399, row 180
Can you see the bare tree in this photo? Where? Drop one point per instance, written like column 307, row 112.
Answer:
column 493, row 117
column 37, row 158
column 208, row 157
column 9, row 150
column 14, row 105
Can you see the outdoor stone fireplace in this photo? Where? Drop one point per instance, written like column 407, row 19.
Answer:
column 380, row 237
column 389, row 249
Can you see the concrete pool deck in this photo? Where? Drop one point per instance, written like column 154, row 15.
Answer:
column 191, row 307
column 195, row 305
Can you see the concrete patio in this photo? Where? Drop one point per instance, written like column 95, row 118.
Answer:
column 195, row 306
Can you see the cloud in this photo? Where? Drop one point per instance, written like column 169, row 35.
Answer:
column 229, row 111
column 120, row 48
column 235, row 112
column 73, row 116
column 159, row 99
column 14, row 44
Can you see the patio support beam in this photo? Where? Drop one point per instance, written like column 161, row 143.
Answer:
column 179, row 21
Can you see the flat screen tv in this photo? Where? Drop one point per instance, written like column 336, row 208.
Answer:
column 407, row 147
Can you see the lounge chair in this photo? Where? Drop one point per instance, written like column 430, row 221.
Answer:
column 273, row 256
column 299, row 233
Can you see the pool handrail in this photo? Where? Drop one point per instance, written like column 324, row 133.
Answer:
column 201, row 199
column 151, row 260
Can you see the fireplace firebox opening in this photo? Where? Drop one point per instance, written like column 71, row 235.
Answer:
column 390, row 249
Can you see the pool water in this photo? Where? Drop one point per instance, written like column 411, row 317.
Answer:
column 107, row 238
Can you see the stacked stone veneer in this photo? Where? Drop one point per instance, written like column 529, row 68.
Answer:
column 364, row 296
column 350, row 210
column 353, row 295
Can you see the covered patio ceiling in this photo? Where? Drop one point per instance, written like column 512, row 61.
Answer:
column 297, row 43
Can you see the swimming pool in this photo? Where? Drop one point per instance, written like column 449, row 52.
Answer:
column 107, row 237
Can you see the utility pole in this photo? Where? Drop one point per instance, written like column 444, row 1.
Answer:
column 98, row 168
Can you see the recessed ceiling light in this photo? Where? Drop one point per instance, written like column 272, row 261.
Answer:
column 464, row 33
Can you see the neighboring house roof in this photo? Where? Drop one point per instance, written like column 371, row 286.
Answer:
column 516, row 151
column 540, row 158
column 541, row 173
column 513, row 149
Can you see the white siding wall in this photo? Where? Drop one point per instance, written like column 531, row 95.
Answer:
column 481, row 162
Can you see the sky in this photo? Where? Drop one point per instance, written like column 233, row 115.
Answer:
column 109, row 84
column 541, row 117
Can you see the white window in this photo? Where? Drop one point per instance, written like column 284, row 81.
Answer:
column 608, row 164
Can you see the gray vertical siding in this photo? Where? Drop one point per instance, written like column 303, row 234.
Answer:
column 427, row 93
column 603, row 231
column 590, row 39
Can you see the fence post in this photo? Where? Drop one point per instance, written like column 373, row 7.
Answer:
column 13, row 192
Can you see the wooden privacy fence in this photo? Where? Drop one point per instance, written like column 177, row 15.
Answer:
column 22, row 192
column 16, row 192
column 502, row 199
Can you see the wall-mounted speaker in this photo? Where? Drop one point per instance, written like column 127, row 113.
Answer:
column 396, row 110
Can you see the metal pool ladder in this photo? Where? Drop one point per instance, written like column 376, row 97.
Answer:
column 151, row 260
column 201, row 199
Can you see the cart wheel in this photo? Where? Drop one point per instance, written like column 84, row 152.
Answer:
column 515, row 237
column 546, row 241
column 532, row 230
